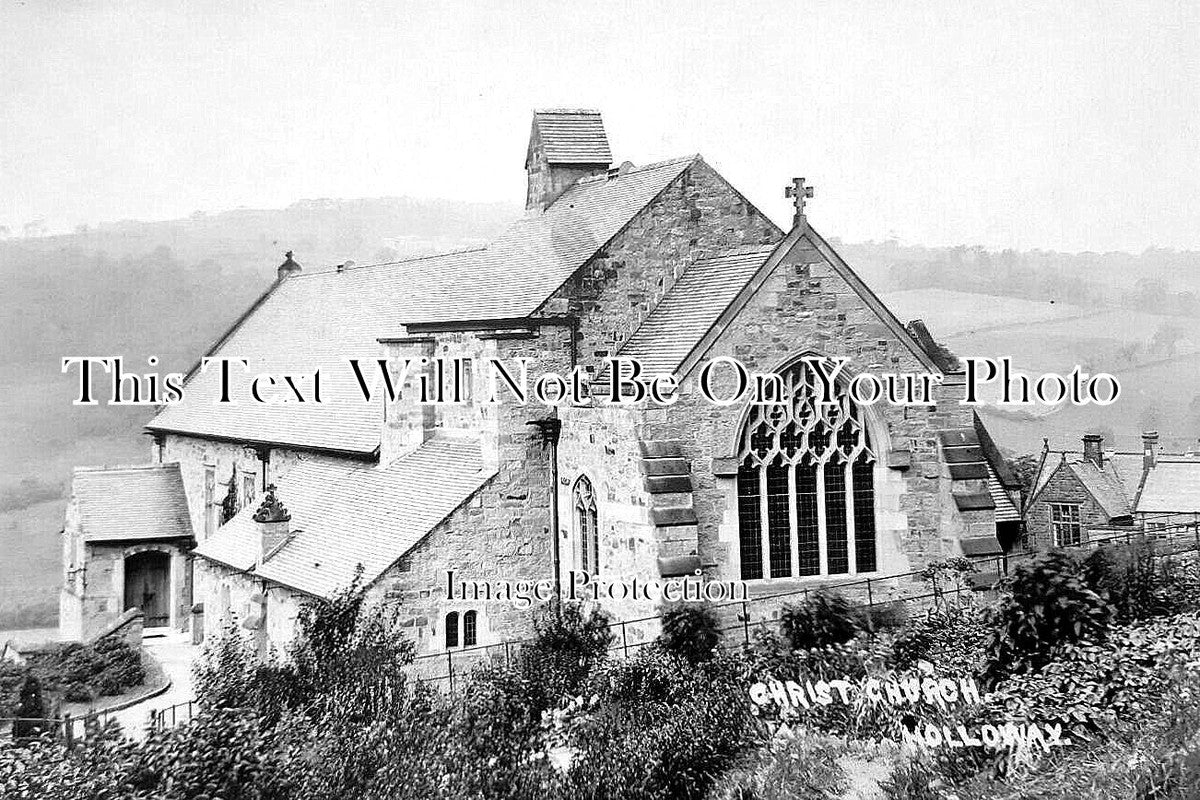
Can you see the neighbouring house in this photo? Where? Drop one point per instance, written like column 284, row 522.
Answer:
column 1094, row 490
column 125, row 542
column 665, row 262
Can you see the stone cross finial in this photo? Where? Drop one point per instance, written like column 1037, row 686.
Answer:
column 799, row 192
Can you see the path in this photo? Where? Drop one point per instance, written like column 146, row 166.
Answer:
column 174, row 651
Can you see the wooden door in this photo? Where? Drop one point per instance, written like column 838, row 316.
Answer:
column 148, row 586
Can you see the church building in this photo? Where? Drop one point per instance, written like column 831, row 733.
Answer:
column 667, row 263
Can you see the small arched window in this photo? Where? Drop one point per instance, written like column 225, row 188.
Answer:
column 587, row 526
column 806, row 495
column 469, row 628
column 452, row 630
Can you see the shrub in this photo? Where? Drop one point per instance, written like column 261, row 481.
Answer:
column 1140, row 582
column 1125, row 575
column 690, row 630
column 661, row 727
column 31, row 707
column 566, row 647
column 825, row 618
column 800, row 766
column 1048, row 605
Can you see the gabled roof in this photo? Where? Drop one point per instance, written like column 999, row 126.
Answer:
column 1171, row 486
column 1113, row 486
column 320, row 319
column 346, row 514
column 571, row 136
column 794, row 238
column 691, row 307
column 138, row 502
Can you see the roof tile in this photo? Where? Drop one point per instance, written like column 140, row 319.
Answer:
column 139, row 502
column 346, row 514
column 317, row 320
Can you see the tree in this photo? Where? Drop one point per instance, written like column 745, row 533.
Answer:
column 31, row 709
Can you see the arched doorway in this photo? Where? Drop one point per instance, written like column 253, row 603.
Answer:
column 148, row 586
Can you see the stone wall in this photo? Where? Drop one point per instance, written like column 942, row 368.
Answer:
column 196, row 455
column 805, row 306
column 698, row 215
column 95, row 598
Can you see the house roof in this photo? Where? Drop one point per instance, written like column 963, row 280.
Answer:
column 691, row 307
column 138, row 502
column 346, row 514
column 1113, row 486
column 571, row 136
column 1172, row 486
column 318, row 320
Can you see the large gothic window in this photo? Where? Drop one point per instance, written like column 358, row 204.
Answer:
column 805, row 485
column 586, row 526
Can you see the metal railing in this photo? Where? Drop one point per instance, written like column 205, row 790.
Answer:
column 448, row 669
column 71, row 729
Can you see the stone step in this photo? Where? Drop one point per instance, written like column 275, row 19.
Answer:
column 661, row 449
column 667, row 484
column 672, row 516
column 671, row 500
column 655, row 467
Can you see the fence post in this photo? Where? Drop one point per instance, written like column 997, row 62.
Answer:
column 624, row 640
column 506, row 656
column 870, row 597
column 746, row 621
column 68, row 730
column 450, row 669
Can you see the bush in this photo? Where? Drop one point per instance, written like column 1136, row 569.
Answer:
column 690, row 630
column 1048, row 605
column 31, row 708
column 792, row 767
column 566, row 647
column 660, row 727
column 825, row 618
column 1139, row 582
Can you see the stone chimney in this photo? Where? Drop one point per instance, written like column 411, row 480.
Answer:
column 1093, row 448
column 289, row 267
column 274, row 525
column 565, row 144
column 1149, row 449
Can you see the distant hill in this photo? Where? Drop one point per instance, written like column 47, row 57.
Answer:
column 170, row 288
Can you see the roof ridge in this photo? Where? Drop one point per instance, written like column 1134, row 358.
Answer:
column 125, row 467
column 567, row 111
column 603, row 176
column 333, row 267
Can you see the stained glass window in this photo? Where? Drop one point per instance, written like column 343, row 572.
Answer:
column 805, row 485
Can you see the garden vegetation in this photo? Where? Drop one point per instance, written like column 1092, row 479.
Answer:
column 1104, row 646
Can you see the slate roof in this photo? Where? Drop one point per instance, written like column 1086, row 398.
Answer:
column 572, row 136
column 691, row 307
column 1172, row 486
column 138, row 502
column 319, row 319
column 345, row 514
column 1006, row 511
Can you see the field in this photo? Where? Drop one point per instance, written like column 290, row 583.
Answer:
column 1155, row 357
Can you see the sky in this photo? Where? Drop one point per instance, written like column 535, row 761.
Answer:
column 1074, row 126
